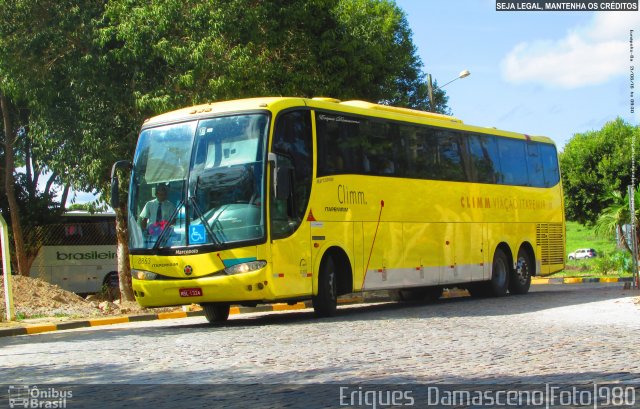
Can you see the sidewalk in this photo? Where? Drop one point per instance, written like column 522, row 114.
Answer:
column 26, row 328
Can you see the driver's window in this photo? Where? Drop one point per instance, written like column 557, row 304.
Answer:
column 294, row 147
column 283, row 217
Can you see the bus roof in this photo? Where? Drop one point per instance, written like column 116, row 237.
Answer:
column 353, row 107
column 84, row 213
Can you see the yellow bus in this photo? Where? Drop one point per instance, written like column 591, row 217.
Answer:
column 284, row 199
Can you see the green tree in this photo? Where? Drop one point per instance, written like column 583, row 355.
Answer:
column 613, row 217
column 596, row 163
column 91, row 71
column 182, row 53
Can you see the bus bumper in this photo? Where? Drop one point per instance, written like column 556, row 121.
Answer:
column 253, row 286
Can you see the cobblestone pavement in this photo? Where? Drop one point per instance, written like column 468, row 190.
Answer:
column 555, row 334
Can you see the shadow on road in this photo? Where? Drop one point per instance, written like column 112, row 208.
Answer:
column 543, row 298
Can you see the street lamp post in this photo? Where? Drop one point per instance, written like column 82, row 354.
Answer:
column 463, row 74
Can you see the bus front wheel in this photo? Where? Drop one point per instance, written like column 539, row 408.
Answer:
column 216, row 313
column 326, row 302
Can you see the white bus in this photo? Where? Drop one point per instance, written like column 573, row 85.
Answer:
column 78, row 253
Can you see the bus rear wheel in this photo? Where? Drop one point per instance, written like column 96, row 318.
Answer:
column 520, row 279
column 215, row 312
column 326, row 302
column 500, row 273
column 499, row 283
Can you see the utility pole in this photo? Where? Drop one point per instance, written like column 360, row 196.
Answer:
column 634, row 241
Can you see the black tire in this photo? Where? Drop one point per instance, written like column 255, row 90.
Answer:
column 520, row 279
column 216, row 312
column 499, row 283
column 500, row 272
column 326, row 302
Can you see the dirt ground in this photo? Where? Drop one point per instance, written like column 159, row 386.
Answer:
column 35, row 298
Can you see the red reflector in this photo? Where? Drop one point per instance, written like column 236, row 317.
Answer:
column 310, row 218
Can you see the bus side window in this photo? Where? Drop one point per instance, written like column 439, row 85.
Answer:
column 484, row 159
column 549, row 158
column 513, row 162
column 450, row 157
column 534, row 164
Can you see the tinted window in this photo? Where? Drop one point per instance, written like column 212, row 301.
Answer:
column 513, row 162
column 426, row 166
column 483, row 154
column 534, row 165
column 371, row 146
column 549, row 164
column 340, row 145
column 379, row 147
column 450, row 154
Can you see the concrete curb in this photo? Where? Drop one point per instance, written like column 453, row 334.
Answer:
column 580, row 280
column 40, row 328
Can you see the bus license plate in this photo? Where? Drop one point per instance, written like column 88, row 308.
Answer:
column 191, row 292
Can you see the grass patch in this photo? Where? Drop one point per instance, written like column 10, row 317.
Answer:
column 583, row 237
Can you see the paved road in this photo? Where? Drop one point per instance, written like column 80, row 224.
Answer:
column 566, row 334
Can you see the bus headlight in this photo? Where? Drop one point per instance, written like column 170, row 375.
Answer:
column 143, row 275
column 245, row 267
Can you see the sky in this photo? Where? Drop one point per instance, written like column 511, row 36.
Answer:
column 551, row 73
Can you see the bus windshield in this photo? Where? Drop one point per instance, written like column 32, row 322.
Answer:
column 199, row 183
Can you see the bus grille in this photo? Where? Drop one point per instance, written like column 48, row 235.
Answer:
column 550, row 237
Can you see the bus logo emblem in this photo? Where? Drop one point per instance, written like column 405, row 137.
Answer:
column 188, row 270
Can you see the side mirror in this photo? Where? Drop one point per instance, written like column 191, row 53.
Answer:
column 281, row 178
column 115, row 193
column 284, row 183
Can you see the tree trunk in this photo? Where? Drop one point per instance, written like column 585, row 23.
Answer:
column 16, row 228
column 622, row 239
column 124, row 268
column 63, row 199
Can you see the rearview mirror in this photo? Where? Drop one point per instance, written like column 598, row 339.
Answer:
column 115, row 193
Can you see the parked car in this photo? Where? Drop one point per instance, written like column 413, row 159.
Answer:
column 582, row 253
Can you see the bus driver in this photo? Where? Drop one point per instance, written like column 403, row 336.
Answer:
column 158, row 209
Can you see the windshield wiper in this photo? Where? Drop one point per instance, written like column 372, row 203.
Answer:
column 163, row 234
column 203, row 220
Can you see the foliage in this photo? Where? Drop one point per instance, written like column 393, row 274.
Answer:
column 86, row 73
column 186, row 53
column 617, row 214
column 603, row 264
column 594, row 164
column 92, row 207
column 89, row 72
column 581, row 236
